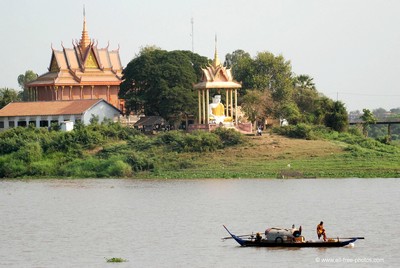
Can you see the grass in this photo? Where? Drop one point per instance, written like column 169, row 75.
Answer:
column 270, row 156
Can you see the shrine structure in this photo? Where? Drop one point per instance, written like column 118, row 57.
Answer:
column 82, row 72
column 217, row 80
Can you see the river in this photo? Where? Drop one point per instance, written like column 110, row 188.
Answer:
column 178, row 223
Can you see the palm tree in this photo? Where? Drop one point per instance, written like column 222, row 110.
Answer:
column 304, row 81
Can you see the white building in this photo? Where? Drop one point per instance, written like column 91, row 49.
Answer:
column 44, row 113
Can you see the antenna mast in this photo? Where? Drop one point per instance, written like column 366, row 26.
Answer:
column 192, row 22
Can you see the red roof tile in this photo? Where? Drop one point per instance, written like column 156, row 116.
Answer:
column 47, row 107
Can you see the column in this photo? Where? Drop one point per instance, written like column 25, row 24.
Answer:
column 62, row 93
column 204, row 106
column 207, row 106
column 236, row 111
column 70, row 92
column 199, row 95
column 226, row 103
column 108, row 93
column 81, row 92
column 91, row 92
column 56, row 92
column 231, row 102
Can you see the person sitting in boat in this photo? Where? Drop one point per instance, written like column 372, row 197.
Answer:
column 321, row 231
column 258, row 237
column 296, row 232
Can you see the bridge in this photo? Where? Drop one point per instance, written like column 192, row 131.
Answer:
column 389, row 121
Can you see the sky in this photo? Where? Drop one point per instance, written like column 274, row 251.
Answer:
column 351, row 48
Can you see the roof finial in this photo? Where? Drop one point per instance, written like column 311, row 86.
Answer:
column 216, row 61
column 85, row 40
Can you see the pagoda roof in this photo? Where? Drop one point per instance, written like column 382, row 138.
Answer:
column 84, row 64
column 215, row 75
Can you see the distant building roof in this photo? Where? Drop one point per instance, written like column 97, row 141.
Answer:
column 49, row 107
column 150, row 121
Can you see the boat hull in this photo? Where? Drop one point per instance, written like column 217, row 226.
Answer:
column 272, row 244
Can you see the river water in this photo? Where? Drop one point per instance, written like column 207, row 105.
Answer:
column 178, row 223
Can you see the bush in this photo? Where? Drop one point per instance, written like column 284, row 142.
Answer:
column 174, row 140
column 119, row 168
column 140, row 142
column 43, row 168
column 299, row 131
column 30, row 152
column 229, row 137
column 11, row 167
column 201, row 141
column 113, row 150
column 140, row 161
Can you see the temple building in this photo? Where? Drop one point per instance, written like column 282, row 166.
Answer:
column 82, row 72
column 218, row 81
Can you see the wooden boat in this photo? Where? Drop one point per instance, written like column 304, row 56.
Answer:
column 286, row 241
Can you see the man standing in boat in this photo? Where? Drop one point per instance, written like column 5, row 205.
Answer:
column 321, row 231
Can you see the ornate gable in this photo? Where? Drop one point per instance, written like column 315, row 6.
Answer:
column 53, row 64
column 91, row 60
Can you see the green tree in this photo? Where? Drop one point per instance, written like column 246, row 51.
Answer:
column 232, row 60
column 266, row 72
column 336, row 116
column 290, row 112
column 306, row 97
column 8, row 95
column 23, row 79
column 159, row 82
column 256, row 105
column 368, row 118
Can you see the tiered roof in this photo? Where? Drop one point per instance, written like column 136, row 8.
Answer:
column 84, row 64
column 215, row 75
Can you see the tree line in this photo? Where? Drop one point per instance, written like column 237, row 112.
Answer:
column 159, row 82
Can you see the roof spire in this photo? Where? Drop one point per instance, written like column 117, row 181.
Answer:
column 85, row 40
column 216, row 61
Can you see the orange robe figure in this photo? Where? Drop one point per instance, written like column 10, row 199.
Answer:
column 321, row 231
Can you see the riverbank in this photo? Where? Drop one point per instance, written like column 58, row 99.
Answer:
column 275, row 156
column 112, row 151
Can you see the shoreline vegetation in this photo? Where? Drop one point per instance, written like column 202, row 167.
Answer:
column 109, row 150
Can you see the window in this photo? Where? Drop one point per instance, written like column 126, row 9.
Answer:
column 21, row 123
column 1, row 124
column 11, row 123
column 44, row 123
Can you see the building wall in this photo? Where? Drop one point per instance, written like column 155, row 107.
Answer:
column 108, row 93
column 37, row 121
column 102, row 110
